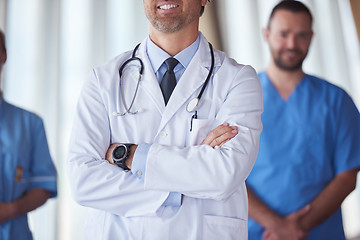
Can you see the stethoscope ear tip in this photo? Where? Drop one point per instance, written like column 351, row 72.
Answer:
column 118, row 114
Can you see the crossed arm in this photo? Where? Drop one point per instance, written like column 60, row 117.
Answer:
column 217, row 137
column 30, row 201
column 298, row 224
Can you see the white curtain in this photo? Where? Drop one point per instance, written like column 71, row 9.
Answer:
column 53, row 44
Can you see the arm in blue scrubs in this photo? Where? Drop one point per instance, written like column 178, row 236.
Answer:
column 27, row 173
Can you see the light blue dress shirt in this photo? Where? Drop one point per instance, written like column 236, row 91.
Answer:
column 25, row 163
column 157, row 56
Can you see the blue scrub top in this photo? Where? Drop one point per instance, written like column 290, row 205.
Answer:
column 25, row 163
column 306, row 141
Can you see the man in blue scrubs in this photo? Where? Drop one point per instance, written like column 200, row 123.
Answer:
column 309, row 153
column 27, row 173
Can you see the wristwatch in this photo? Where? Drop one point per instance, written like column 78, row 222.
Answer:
column 120, row 153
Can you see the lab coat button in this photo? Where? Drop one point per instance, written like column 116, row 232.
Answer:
column 163, row 134
column 139, row 173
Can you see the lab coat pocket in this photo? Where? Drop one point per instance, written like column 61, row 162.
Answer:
column 224, row 228
column 200, row 129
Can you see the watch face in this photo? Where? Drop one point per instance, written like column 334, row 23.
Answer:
column 119, row 152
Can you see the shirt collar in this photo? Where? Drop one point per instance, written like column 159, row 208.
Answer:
column 157, row 56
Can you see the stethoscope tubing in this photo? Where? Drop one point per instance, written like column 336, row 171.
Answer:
column 134, row 58
column 210, row 72
column 121, row 69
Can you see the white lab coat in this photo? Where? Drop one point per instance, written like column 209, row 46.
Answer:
column 212, row 181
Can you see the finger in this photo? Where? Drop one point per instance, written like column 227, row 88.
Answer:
column 271, row 237
column 223, row 136
column 301, row 212
column 220, row 136
column 215, row 133
column 222, row 139
column 266, row 235
column 224, row 142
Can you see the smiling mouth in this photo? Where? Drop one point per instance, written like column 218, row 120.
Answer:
column 168, row 6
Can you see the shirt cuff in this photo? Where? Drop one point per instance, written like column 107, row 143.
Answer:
column 173, row 200
column 138, row 165
column 138, row 168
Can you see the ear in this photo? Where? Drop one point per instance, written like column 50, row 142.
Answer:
column 266, row 32
column 203, row 3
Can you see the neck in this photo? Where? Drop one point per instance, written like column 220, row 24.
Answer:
column 284, row 81
column 173, row 43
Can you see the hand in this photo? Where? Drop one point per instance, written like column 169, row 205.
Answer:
column 6, row 212
column 289, row 228
column 220, row 135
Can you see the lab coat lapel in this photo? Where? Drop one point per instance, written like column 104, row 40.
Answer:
column 149, row 82
column 191, row 81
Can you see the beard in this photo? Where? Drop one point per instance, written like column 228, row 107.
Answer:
column 170, row 26
column 289, row 66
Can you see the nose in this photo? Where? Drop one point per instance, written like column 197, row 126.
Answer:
column 291, row 42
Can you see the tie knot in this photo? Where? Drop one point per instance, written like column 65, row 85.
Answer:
column 171, row 63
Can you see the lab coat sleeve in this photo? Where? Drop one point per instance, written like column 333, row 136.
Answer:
column 214, row 173
column 94, row 182
column 138, row 167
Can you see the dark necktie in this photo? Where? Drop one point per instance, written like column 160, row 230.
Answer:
column 168, row 81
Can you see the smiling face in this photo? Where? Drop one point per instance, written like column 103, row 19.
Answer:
column 173, row 15
column 289, row 36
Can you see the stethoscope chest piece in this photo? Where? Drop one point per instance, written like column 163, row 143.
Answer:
column 192, row 105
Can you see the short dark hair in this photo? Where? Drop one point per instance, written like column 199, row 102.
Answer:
column 292, row 6
column 2, row 41
column 203, row 9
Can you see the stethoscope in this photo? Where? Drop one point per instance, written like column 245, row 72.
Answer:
column 191, row 106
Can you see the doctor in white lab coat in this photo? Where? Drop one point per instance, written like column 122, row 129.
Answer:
column 187, row 190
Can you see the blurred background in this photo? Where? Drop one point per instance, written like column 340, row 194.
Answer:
column 53, row 44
